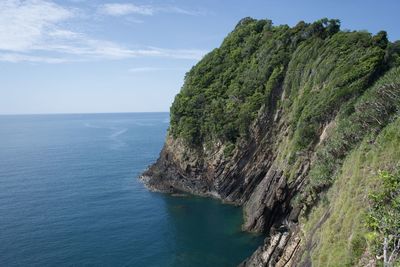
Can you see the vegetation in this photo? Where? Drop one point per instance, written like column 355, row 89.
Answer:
column 384, row 217
column 223, row 93
column 345, row 238
column 379, row 105
column 319, row 67
column 323, row 74
column 315, row 75
column 349, row 159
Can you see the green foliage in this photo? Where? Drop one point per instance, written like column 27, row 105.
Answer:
column 368, row 115
column 317, row 75
column 342, row 240
column 393, row 54
column 380, row 39
column 383, row 219
column 320, row 68
column 223, row 93
column 228, row 150
column 384, row 216
column 325, row 74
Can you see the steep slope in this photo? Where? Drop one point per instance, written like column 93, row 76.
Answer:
column 342, row 238
column 269, row 121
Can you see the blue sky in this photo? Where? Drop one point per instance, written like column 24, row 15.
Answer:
column 77, row 56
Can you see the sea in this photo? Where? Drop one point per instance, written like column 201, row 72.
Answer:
column 70, row 196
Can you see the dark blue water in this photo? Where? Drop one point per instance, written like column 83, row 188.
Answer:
column 69, row 196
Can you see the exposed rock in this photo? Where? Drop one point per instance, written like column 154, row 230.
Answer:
column 267, row 172
column 252, row 177
column 278, row 250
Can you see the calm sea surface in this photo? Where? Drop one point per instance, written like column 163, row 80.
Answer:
column 69, row 196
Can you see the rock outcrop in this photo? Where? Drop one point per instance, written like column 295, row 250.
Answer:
column 274, row 172
column 252, row 178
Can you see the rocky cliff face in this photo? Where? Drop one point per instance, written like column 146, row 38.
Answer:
column 266, row 173
column 252, row 177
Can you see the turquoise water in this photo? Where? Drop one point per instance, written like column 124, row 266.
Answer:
column 69, row 196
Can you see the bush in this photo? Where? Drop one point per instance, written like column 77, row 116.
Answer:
column 383, row 219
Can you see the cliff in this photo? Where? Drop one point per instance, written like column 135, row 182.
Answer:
column 292, row 124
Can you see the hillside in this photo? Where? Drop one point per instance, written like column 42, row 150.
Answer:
column 299, row 126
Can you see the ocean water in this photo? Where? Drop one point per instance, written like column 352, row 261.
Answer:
column 69, row 196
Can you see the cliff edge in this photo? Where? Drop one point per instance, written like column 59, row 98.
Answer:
column 293, row 124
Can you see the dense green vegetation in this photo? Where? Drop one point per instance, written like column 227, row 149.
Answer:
column 324, row 74
column 347, row 235
column 319, row 66
column 315, row 75
column 384, row 217
column 355, row 151
column 223, row 92
column 367, row 116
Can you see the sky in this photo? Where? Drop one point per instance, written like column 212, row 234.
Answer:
column 90, row 56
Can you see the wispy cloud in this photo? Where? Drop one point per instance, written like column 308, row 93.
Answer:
column 92, row 49
column 15, row 58
column 23, row 23
column 34, row 31
column 179, row 10
column 116, row 9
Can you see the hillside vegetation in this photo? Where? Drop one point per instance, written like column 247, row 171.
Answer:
column 224, row 91
column 301, row 126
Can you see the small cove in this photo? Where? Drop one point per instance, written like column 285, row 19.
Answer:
column 70, row 196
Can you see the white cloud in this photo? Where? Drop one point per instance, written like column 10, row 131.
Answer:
column 23, row 23
column 15, row 58
column 93, row 49
column 115, row 9
column 178, row 10
column 66, row 34
column 176, row 53
column 118, row 9
column 34, row 31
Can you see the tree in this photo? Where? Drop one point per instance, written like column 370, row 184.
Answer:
column 384, row 217
column 380, row 39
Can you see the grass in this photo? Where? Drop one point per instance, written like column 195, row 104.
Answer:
column 341, row 240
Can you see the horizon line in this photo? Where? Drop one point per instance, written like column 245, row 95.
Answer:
column 80, row 113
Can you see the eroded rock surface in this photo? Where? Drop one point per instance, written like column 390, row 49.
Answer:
column 321, row 91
